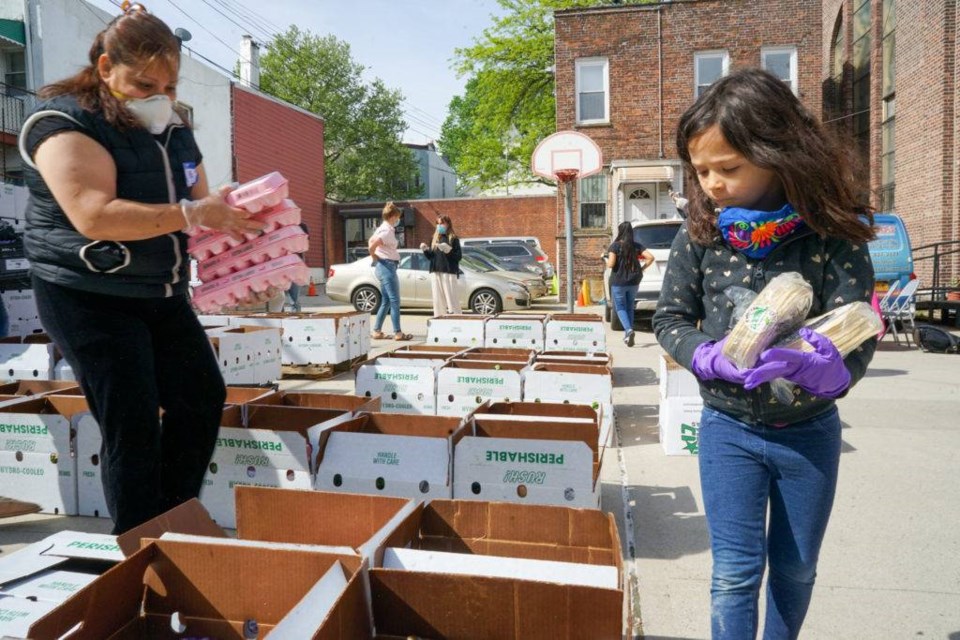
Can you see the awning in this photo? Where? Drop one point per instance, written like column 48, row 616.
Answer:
column 12, row 31
column 646, row 174
column 348, row 214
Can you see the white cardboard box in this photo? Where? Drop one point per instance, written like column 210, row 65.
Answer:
column 247, row 354
column 680, row 425
column 575, row 332
column 405, row 385
column 675, row 380
column 90, row 498
column 508, row 330
column 26, row 361
column 316, row 338
column 63, row 371
column 456, row 330
column 574, row 384
column 22, row 311
column 389, row 454
column 462, row 386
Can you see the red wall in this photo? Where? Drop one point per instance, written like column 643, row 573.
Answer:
column 269, row 135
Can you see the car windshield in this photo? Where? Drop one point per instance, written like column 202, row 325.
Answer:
column 476, row 265
column 488, row 258
column 505, row 250
column 655, row 236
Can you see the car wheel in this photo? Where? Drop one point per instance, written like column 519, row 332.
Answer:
column 486, row 302
column 366, row 298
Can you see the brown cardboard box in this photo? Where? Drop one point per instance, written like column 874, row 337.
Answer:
column 319, row 400
column 40, row 387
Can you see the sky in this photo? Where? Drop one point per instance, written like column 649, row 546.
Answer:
column 408, row 44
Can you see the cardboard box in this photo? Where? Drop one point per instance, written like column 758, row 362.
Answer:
column 22, row 360
column 575, row 357
column 389, row 454
column 247, row 355
column 680, row 425
column 22, row 312
column 269, row 446
column 497, row 354
column 575, row 332
column 404, row 384
column 246, row 395
column 36, row 464
column 359, row 333
column 446, row 351
column 216, row 588
column 456, row 330
column 320, row 400
column 574, row 384
column 40, row 388
column 209, row 321
column 531, row 460
column 675, row 380
column 453, row 592
column 63, row 371
column 317, row 338
column 462, row 386
column 509, row 330
column 18, row 614
column 91, row 500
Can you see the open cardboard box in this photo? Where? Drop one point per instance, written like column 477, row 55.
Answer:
column 575, row 357
column 320, row 400
column 36, row 461
column 389, row 454
column 493, row 570
column 574, row 384
column 575, row 332
column 456, row 330
column 515, row 330
column 535, row 460
column 40, row 388
column 312, row 338
column 246, row 395
column 405, row 384
column 31, row 357
column 445, row 350
column 463, row 385
column 247, row 355
column 498, row 354
column 208, row 587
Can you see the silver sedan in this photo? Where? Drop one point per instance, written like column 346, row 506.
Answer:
column 482, row 293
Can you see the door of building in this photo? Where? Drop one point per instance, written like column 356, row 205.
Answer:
column 641, row 203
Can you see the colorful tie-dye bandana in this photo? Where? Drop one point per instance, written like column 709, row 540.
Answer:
column 756, row 233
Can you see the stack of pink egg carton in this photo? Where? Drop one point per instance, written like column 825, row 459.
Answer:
column 233, row 270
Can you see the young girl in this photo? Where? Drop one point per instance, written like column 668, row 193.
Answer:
column 626, row 273
column 772, row 196
column 444, row 255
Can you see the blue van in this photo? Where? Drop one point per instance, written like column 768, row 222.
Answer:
column 890, row 252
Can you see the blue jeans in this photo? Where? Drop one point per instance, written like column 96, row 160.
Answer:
column 293, row 293
column 624, row 303
column 743, row 470
column 386, row 271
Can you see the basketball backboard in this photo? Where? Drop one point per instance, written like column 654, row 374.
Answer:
column 566, row 154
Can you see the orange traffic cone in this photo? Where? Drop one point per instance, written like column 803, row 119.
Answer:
column 581, row 298
column 312, row 289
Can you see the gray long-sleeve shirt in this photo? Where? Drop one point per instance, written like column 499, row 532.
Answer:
column 694, row 309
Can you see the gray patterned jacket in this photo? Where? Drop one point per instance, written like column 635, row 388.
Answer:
column 693, row 292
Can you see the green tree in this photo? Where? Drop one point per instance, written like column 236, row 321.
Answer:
column 363, row 122
column 508, row 105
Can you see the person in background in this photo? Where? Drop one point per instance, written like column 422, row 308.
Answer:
column 774, row 195
column 386, row 259
column 293, row 293
column 115, row 177
column 680, row 203
column 444, row 255
column 626, row 261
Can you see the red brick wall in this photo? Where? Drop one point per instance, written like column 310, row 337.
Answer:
column 271, row 136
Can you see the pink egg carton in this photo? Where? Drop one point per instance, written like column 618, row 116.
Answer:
column 256, row 195
column 280, row 242
column 210, row 243
column 237, row 287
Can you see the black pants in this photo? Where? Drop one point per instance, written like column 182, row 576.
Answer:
column 135, row 357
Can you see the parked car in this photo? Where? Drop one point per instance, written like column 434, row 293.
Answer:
column 657, row 236
column 531, row 240
column 482, row 293
column 530, row 280
column 516, row 253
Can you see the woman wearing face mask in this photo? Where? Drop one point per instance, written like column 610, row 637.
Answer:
column 115, row 177
column 444, row 255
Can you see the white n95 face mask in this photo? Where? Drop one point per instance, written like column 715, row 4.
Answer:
column 154, row 113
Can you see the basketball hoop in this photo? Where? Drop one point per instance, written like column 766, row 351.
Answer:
column 566, row 175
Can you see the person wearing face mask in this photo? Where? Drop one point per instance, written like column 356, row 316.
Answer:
column 444, row 255
column 115, row 178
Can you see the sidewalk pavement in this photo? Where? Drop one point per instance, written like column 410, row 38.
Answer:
column 890, row 565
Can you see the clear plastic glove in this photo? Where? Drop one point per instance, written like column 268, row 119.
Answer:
column 212, row 212
column 821, row 372
column 423, row 246
column 446, row 248
column 709, row 363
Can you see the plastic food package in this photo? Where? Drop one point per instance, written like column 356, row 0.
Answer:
column 778, row 309
column 206, row 244
column 238, row 287
column 281, row 242
column 256, row 195
column 847, row 327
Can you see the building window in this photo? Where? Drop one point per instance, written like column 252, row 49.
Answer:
column 16, row 69
column 889, row 105
column 708, row 67
column 889, row 47
column 861, row 76
column 593, row 88
column 781, row 62
column 836, row 70
column 593, row 202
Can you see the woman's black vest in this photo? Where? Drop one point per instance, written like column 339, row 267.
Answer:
column 150, row 169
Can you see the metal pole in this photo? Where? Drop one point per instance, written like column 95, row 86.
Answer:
column 568, row 215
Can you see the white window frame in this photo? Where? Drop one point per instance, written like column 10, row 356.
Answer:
column 703, row 55
column 793, row 63
column 594, row 62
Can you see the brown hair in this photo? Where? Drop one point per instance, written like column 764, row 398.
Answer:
column 760, row 117
column 135, row 38
column 391, row 210
column 445, row 219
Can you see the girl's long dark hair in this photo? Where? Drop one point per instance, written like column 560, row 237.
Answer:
column 627, row 257
column 134, row 38
column 760, row 117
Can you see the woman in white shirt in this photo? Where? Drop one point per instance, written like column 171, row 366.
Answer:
column 386, row 259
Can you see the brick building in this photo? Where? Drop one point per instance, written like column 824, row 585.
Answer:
column 350, row 225
column 890, row 80
column 625, row 75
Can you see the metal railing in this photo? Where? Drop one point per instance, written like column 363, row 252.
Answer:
column 15, row 104
column 936, row 252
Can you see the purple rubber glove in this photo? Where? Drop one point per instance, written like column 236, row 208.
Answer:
column 821, row 373
column 709, row 363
